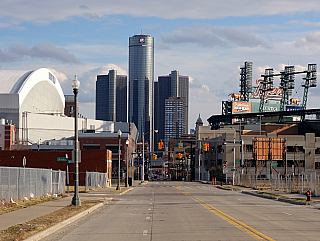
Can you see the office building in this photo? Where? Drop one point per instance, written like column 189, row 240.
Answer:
column 174, row 125
column 141, row 79
column 111, row 97
column 172, row 85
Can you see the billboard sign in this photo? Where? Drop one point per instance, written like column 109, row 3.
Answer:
column 241, row 107
column 293, row 107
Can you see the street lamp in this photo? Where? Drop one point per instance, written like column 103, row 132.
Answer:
column 127, row 143
column 142, row 170
column 260, row 122
column 234, row 155
column 119, row 136
column 76, row 200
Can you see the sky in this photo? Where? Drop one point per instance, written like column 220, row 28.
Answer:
column 208, row 40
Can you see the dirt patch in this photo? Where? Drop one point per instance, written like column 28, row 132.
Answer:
column 19, row 204
column 25, row 230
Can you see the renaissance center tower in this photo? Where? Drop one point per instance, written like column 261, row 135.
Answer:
column 141, row 79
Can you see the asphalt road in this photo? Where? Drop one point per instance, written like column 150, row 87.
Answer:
column 193, row 211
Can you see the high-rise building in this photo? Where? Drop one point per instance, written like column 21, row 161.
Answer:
column 111, row 97
column 172, row 85
column 141, row 79
column 174, row 117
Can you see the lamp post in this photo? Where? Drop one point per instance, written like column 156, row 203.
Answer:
column 119, row 136
column 234, row 155
column 142, row 169
column 260, row 122
column 127, row 143
column 76, row 200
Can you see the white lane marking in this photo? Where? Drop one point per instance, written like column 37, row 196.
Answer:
column 145, row 232
column 151, row 199
column 287, row 213
column 149, row 209
column 151, row 203
column 239, row 199
column 147, row 217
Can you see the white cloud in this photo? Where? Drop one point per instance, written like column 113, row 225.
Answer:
column 60, row 10
column 41, row 50
column 212, row 36
column 312, row 40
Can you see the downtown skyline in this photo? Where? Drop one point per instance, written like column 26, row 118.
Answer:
column 207, row 40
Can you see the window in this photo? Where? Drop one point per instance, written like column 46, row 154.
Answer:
column 114, row 149
column 91, row 147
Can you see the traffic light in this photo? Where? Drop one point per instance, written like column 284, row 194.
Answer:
column 205, row 147
column 179, row 155
column 160, row 145
column 154, row 156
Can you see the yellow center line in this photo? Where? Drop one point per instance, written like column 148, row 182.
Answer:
column 179, row 188
column 242, row 226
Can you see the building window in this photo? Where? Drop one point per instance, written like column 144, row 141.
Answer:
column 91, row 147
column 114, row 149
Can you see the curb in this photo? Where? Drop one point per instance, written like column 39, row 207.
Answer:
column 277, row 199
column 56, row 227
column 260, row 195
column 222, row 188
column 126, row 191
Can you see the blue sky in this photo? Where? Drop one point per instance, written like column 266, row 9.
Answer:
column 207, row 40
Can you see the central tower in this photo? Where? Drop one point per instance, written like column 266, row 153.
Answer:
column 141, row 78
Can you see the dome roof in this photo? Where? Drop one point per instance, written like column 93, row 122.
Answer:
column 22, row 82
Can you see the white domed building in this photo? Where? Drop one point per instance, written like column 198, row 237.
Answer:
column 24, row 93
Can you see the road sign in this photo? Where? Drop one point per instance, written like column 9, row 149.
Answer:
column 62, row 159
column 237, row 161
column 274, row 164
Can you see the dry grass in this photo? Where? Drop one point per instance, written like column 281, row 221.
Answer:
column 19, row 204
column 25, row 230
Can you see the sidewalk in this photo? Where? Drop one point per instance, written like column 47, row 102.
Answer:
column 26, row 214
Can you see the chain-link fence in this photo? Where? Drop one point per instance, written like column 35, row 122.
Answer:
column 19, row 183
column 96, row 180
column 299, row 184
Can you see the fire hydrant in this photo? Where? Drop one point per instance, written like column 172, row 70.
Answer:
column 308, row 194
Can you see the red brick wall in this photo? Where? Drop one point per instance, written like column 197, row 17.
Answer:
column 91, row 160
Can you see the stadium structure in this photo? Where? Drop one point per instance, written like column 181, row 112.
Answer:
column 265, row 101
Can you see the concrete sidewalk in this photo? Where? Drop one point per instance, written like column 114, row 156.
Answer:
column 26, row 214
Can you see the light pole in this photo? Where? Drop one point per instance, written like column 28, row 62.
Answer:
column 234, row 155
column 76, row 200
column 260, row 123
column 119, row 137
column 142, row 169
column 127, row 143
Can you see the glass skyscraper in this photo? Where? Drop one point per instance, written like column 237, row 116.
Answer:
column 172, row 85
column 111, row 97
column 141, row 79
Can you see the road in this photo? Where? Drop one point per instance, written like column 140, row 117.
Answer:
column 193, row 211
